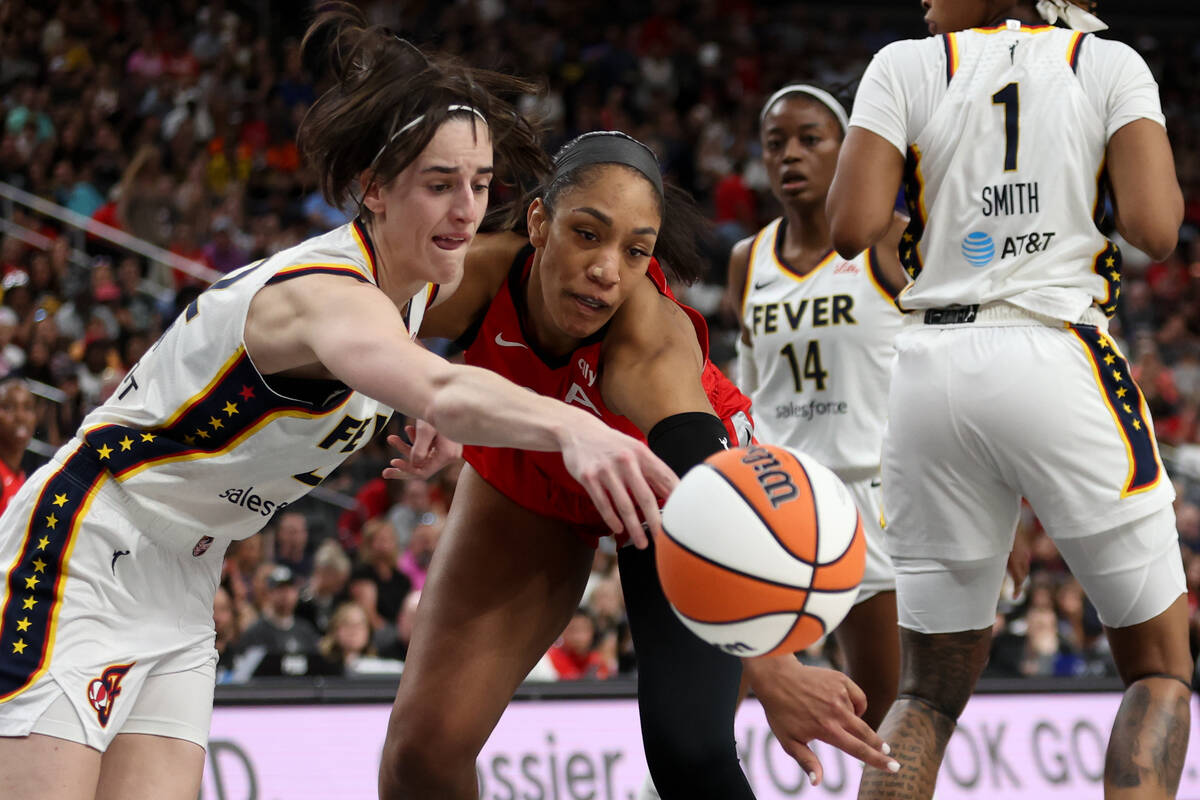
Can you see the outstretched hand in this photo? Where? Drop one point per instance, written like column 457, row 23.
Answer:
column 428, row 453
column 622, row 477
column 806, row 703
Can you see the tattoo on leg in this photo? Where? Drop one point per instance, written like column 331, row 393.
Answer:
column 939, row 673
column 918, row 734
column 1171, row 745
column 1149, row 739
column 1120, row 771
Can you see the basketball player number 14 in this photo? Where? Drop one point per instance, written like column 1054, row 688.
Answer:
column 1012, row 126
column 812, row 365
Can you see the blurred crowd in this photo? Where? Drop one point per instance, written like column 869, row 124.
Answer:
column 175, row 122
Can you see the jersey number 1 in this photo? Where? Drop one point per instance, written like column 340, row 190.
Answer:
column 1012, row 125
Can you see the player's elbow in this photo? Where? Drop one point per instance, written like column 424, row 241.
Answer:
column 1156, row 235
column 851, row 227
column 851, row 235
column 1150, row 220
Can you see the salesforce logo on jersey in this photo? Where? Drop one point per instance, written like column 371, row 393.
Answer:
column 247, row 499
column 979, row 249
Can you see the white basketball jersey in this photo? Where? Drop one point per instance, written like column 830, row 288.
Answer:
column 1004, row 131
column 197, row 442
column 820, row 354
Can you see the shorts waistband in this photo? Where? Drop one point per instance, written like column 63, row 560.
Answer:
column 998, row 314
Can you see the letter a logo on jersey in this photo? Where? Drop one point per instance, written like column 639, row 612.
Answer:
column 576, row 395
column 103, row 691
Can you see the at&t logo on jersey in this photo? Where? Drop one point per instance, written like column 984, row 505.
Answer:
column 978, row 249
column 102, row 692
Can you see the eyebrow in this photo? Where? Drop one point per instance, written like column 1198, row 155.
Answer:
column 780, row 130
column 455, row 170
column 607, row 220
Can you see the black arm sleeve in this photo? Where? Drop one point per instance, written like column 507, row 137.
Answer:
column 684, row 440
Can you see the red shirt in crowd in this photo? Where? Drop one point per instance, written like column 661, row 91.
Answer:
column 573, row 666
column 10, row 483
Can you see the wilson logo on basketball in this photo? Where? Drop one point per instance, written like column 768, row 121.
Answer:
column 103, row 691
column 772, row 478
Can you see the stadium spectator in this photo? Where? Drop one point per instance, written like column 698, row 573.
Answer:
column 414, row 561
column 575, row 654
column 378, row 573
column 327, row 588
column 291, row 544
column 279, row 632
column 16, row 431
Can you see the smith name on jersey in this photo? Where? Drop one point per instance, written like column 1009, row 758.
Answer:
column 1001, row 153
column 196, row 442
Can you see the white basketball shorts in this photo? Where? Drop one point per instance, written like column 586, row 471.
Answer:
column 90, row 606
column 878, row 575
column 981, row 415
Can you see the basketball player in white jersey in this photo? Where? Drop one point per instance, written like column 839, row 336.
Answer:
column 1007, row 133
column 112, row 552
column 815, row 353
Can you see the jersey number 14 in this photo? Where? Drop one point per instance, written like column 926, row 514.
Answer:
column 812, row 365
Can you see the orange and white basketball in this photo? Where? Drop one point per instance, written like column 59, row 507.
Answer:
column 763, row 552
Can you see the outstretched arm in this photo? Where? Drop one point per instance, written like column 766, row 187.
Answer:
column 355, row 332
column 652, row 375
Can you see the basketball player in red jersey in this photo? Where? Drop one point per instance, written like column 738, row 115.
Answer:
column 17, row 420
column 577, row 307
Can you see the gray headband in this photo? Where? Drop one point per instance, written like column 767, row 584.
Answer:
column 820, row 95
column 609, row 147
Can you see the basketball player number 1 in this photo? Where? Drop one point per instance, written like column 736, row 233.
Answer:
column 1012, row 126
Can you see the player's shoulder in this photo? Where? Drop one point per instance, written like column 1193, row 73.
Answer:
column 740, row 252
column 907, row 50
column 343, row 250
column 1094, row 49
column 491, row 256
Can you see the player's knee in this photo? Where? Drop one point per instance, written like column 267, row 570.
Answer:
column 676, row 758
column 418, row 761
column 940, row 670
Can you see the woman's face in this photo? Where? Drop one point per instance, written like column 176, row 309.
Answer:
column 801, row 140
column 18, row 415
column 353, row 632
column 426, row 217
column 591, row 253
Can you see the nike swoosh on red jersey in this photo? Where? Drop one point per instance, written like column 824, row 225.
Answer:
column 500, row 340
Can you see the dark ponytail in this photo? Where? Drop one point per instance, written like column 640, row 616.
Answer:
column 379, row 83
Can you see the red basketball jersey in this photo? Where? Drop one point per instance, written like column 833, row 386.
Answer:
column 539, row 481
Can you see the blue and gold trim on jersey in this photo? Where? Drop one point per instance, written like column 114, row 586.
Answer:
column 759, row 239
column 1128, row 408
column 871, row 257
column 36, row 580
column 782, row 263
column 1073, row 49
column 300, row 270
column 914, row 198
column 1107, row 262
column 363, row 240
column 235, row 405
column 952, row 55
